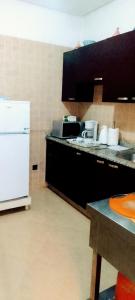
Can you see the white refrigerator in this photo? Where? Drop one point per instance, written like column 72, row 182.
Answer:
column 14, row 153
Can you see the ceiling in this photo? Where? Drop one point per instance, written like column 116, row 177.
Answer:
column 73, row 7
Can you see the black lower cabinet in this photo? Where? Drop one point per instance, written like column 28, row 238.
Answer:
column 112, row 179
column 66, row 171
column 71, row 172
column 84, row 177
column 81, row 176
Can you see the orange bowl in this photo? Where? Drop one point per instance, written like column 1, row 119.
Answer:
column 124, row 205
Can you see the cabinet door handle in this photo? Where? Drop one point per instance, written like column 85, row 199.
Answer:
column 113, row 166
column 78, row 153
column 133, row 98
column 98, row 79
column 71, row 98
column 100, row 161
column 122, row 98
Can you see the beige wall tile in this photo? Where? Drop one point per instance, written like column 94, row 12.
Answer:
column 33, row 71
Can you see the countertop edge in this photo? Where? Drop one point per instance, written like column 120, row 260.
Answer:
column 102, row 153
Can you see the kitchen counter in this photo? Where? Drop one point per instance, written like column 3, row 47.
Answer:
column 82, row 175
column 101, row 153
column 112, row 236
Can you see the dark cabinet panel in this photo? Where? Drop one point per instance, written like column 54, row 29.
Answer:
column 110, row 62
column 53, row 160
column 84, row 177
column 75, row 185
column 68, row 83
column 113, row 179
column 119, row 75
column 70, row 171
column 75, row 86
column 115, row 58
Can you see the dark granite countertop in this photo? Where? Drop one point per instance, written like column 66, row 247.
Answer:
column 101, row 153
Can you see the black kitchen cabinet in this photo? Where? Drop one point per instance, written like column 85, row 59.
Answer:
column 73, row 184
column 112, row 178
column 68, row 85
column 113, row 61
column 75, row 86
column 93, row 61
column 53, row 160
column 110, row 62
column 85, row 177
column 66, row 170
column 119, row 78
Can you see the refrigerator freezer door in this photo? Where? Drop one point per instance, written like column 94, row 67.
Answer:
column 14, row 116
column 14, row 166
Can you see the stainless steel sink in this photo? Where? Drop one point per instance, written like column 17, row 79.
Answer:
column 127, row 154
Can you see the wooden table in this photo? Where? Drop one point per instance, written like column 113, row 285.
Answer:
column 112, row 237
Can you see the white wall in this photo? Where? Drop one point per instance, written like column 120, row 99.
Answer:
column 101, row 23
column 23, row 20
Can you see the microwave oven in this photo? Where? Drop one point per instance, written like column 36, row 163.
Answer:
column 67, row 130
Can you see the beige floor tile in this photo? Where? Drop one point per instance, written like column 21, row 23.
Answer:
column 45, row 254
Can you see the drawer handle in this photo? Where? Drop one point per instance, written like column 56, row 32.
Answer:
column 98, row 79
column 113, row 166
column 100, row 161
column 71, row 99
column 78, row 153
column 122, row 98
column 133, row 98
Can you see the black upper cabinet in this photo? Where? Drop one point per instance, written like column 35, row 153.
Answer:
column 68, row 84
column 75, row 85
column 119, row 76
column 110, row 62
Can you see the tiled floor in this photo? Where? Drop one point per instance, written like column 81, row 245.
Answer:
column 45, row 254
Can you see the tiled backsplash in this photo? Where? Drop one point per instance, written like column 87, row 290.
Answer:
column 120, row 114
column 32, row 71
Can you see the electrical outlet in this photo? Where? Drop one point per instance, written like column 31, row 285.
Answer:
column 34, row 167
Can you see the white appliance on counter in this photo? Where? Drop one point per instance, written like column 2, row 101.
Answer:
column 90, row 130
column 14, row 154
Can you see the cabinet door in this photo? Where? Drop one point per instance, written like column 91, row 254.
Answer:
column 90, row 63
column 53, row 177
column 49, row 175
column 114, row 179
column 75, row 87
column 68, row 80
column 63, row 167
column 76, row 184
column 101, row 179
column 113, row 174
column 107, row 178
column 126, row 179
column 71, row 172
column 85, row 179
column 119, row 74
